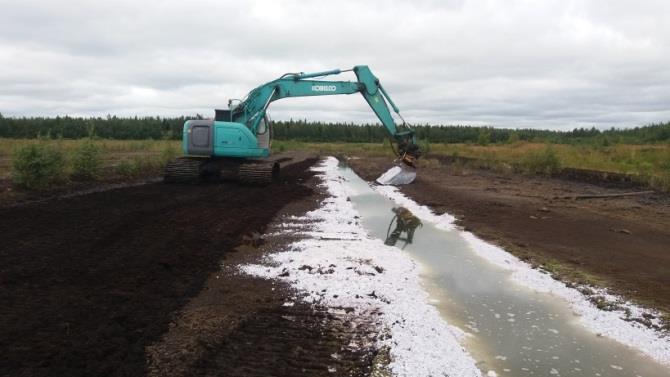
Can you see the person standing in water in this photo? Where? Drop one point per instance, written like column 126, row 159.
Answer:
column 405, row 222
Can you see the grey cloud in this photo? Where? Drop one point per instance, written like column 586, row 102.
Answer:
column 554, row 63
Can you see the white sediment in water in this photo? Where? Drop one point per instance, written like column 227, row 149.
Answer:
column 611, row 324
column 347, row 268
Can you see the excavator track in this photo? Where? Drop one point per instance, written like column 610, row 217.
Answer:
column 192, row 170
column 258, row 174
column 183, row 170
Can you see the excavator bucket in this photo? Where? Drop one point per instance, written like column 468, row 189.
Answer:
column 400, row 174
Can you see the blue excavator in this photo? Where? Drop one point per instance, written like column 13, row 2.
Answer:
column 236, row 143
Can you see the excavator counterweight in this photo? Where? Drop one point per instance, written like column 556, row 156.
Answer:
column 236, row 144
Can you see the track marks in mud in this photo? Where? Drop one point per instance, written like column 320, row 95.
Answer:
column 297, row 340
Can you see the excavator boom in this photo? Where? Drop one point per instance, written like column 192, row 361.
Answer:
column 252, row 110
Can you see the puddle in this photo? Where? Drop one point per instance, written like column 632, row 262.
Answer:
column 516, row 331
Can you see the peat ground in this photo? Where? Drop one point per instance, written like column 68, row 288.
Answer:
column 92, row 285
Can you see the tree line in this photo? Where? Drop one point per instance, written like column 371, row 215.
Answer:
column 112, row 127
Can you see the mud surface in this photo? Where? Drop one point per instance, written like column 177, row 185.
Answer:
column 129, row 281
column 622, row 243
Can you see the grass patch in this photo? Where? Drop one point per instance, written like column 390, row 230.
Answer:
column 649, row 164
column 43, row 163
column 545, row 162
column 363, row 149
column 128, row 168
column 139, row 166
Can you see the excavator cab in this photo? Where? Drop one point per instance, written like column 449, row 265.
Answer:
column 220, row 149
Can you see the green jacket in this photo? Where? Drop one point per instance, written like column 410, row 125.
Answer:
column 406, row 218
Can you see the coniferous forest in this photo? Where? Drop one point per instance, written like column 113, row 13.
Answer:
column 137, row 128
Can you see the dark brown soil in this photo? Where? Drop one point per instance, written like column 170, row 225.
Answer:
column 242, row 326
column 89, row 285
column 622, row 243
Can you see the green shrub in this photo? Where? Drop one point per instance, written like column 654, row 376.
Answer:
column 513, row 137
column 86, row 161
column 484, row 137
column 127, row 168
column 37, row 166
column 544, row 162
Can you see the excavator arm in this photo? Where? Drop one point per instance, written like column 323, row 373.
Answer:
column 252, row 110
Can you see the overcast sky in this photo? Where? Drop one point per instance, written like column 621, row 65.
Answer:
column 515, row 63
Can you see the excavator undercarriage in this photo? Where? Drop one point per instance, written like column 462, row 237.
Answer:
column 197, row 169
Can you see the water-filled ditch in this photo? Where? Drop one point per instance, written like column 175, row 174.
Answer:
column 515, row 331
